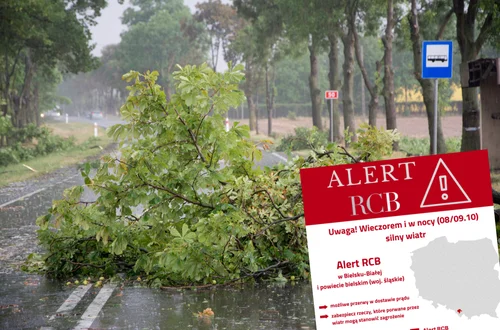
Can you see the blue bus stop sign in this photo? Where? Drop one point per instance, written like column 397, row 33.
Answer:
column 437, row 59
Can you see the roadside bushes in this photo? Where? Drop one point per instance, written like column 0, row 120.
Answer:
column 30, row 142
column 421, row 146
column 304, row 138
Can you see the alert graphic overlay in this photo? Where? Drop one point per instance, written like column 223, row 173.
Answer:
column 403, row 244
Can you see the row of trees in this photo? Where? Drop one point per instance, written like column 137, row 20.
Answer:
column 379, row 42
column 41, row 40
column 321, row 25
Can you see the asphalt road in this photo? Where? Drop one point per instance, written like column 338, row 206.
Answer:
column 35, row 302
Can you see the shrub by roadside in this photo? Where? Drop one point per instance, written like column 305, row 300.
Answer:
column 31, row 142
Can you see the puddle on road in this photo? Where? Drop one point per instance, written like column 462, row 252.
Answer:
column 17, row 220
column 266, row 307
column 27, row 301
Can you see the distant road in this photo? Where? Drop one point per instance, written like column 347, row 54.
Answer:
column 268, row 158
column 105, row 122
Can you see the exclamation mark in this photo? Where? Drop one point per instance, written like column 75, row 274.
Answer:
column 443, row 184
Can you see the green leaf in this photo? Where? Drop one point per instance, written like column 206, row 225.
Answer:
column 185, row 229
column 119, row 245
column 175, row 232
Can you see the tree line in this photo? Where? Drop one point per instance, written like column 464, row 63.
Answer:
column 292, row 51
column 40, row 41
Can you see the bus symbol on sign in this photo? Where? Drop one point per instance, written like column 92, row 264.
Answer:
column 434, row 58
column 331, row 95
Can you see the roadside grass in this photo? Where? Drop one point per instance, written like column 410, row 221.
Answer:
column 81, row 131
column 86, row 147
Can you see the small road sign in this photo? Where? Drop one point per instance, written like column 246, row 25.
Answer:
column 437, row 62
column 331, row 95
column 437, row 59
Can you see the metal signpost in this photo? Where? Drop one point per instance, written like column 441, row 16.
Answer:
column 331, row 95
column 437, row 62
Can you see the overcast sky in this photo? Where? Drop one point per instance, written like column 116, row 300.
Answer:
column 108, row 28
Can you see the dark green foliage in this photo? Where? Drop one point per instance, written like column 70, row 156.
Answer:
column 420, row 146
column 30, row 142
column 304, row 138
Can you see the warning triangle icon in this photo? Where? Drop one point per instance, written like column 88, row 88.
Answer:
column 444, row 189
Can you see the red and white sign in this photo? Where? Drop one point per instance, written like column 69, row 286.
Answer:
column 403, row 244
column 331, row 95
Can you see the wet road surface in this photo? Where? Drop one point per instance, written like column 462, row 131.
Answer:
column 35, row 302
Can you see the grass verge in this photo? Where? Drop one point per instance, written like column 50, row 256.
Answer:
column 81, row 131
column 83, row 150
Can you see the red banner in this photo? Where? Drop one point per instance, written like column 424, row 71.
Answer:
column 396, row 187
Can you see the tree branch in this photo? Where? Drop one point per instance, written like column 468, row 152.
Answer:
column 442, row 27
column 173, row 193
column 472, row 11
column 9, row 75
column 272, row 200
column 368, row 84
column 484, row 33
column 458, row 8
column 191, row 134
column 278, row 222
column 346, row 153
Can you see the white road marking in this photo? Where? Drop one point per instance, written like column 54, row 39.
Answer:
column 275, row 155
column 72, row 300
column 22, row 197
column 95, row 307
column 36, row 192
column 280, row 157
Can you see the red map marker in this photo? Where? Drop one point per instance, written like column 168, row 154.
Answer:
column 459, row 311
column 323, row 316
column 323, row 307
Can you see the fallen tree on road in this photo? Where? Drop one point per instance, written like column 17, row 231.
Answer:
column 168, row 210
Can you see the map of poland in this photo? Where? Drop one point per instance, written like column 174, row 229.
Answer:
column 459, row 276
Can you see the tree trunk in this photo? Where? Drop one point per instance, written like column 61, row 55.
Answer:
column 8, row 76
column 469, row 47
column 248, row 90
column 471, row 137
column 347, row 87
column 257, row 113
column 36, row 104
column 314, row 85
column 335, row 84
column 426, row 84
column 361, row 84
column 390, row 106
column 168, row 93
column 373, row 89
column 22, row 107
column 6, row 86
column 5, row 107
column 496, row 196
column 273, row 95
column 268, row 104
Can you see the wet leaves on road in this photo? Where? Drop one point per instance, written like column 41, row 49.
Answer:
column 31, row 282
column 9, row 306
